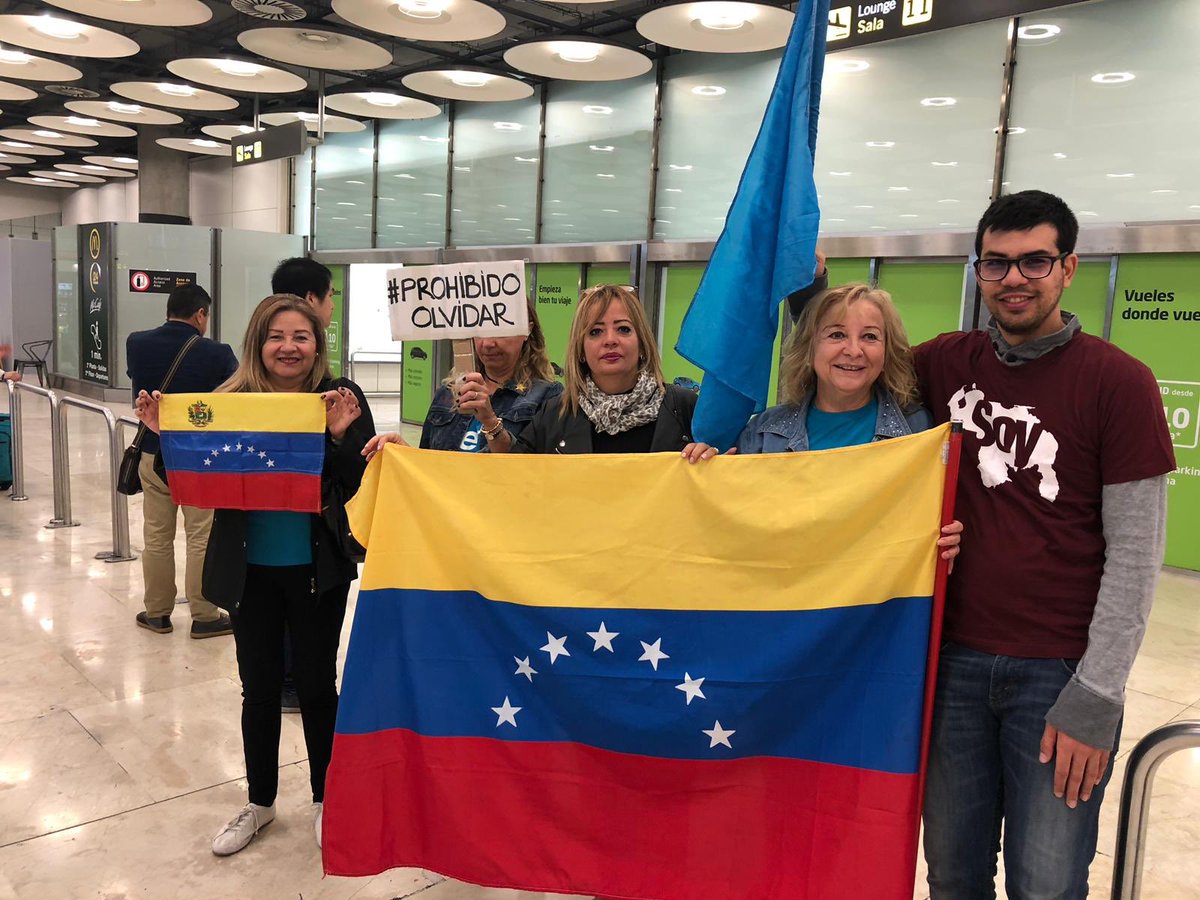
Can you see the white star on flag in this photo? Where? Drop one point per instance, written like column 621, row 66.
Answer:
column 251, row 449
column 226, row 448
column 718, row 734
column 216, row 453
column 270, row 463
column 524, row 668
column 603, row 638
column 238, row 446
column 653, row 653
column 508, row 713
column 207, row 461
column 556, row 647
column 691, row 687
column 262, row 454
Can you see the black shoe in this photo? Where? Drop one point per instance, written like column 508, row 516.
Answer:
column 157, row 624
column 215, row 628
column 289, row 700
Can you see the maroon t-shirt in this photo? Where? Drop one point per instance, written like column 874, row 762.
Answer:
column 1039, row 441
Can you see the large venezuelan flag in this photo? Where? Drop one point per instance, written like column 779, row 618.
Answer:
column 630, row 676
column 244, row 451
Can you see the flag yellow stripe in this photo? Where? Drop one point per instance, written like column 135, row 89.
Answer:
column 818, row 530
column 245, row 412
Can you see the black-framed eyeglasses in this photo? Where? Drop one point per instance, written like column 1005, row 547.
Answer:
column 1030, row 266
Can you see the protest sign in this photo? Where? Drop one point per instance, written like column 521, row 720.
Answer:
column 464, row 300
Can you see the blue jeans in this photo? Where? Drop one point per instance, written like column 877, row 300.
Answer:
column 983, row 769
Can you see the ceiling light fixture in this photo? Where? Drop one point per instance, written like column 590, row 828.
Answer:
column 433, row 140
column 203, row 142
column 1120, row 175
column 724, row 16
column 82, row 122
column 40, row 180
column 938, row 101
column 16, row 144
column 599, row 148
column 307, row 116
column 848, row 66
column 526, row 159
column 470, row 79
column 377, row 98
column 841, row 174
column 897, row 190
column 604, row 175
column 942, row 164
column 69, row 175
column 1060, row 156
column 46, row 133
column 93, row 168
column 130, row 109
column 576, row 51
column 598, row 110
column 239, row 69
column 15, row 57
column 1165, row 191
column 423, row 9
column 708, row 90
column 686, row 168
column 1113, row 77
column 128, row 160
column 1038, row 32
column 176, row 90
column 881, row 145
column 507, row 126
column 62, row 29
column 315, row 37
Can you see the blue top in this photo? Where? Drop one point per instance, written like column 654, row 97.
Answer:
column 278, row 538
column 473, row 440
column 446, row 428
column 827, row 430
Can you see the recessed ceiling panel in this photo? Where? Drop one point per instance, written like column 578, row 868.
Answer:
column 15, row 93
column 236, row 75
column 171, row 13
column 339, row 124
column 382, row 105
column 195, row 145
column 51, row 34
column 717, row 27
column 15, row 160
column 47, row 136
column 226, row 132
column 72, row 177
column 82, row 125
column 117, row 162
column 40, row 182
column 24, row 67
column 575, row 60
column 173, row 95
column 96, row 170
column 315, row 48
column 117, row 111
column 25, row 148
column 467, row 84
column 424, row 20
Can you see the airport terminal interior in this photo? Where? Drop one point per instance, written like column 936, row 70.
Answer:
column 149, row 143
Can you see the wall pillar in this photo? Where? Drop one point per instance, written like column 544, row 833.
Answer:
column 162, row 179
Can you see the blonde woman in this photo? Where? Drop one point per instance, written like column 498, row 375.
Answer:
column 275, row 568
column 614, row 399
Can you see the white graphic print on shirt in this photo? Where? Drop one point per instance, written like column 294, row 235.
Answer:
column 1010, row 438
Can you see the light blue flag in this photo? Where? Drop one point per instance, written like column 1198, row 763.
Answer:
column 768, row 247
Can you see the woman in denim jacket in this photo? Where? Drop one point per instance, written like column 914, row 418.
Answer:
column 487, row 409
column 848, row 379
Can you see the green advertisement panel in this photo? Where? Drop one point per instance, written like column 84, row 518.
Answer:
column 606, row 274
column 928, row 295
column 679, row 287
column 844, row 271
column 557, row 296
column 1087, row 296
column 1156, row 317
column 416, row 372
column 334, row 334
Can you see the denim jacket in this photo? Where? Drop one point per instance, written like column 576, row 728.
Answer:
column 445, row 426
column 783, row 429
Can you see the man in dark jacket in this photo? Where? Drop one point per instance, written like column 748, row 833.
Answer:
column 206, row 365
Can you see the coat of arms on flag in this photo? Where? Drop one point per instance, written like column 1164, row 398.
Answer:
column 244, row 451
column 672, row 681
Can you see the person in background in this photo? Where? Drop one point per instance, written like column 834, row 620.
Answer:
column 285, row 568
column 206, row 365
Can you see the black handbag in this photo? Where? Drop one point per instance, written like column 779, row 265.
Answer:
column 129, row 482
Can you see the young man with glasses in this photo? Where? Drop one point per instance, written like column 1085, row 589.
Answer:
column 1063, row 493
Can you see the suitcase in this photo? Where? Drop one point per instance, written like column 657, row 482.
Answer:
column 5, row 452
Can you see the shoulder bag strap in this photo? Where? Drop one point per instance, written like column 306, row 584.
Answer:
column 183, row 351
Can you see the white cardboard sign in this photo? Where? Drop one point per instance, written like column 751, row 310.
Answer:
column 462, row 300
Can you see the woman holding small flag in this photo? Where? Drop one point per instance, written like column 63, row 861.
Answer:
column 848, row 379
column 273, row 563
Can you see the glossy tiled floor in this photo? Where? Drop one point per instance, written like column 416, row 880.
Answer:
column 120, row 753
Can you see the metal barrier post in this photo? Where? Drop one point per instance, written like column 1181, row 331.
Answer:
column 18, row 444
column 59, row 450
column 1130, row 854
column 18, row 455
column 119, row 507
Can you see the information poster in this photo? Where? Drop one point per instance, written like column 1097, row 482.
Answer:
column 558, row 286
column 417, row 387
column 96, row 300
column 1156, row 317
column 335, row 333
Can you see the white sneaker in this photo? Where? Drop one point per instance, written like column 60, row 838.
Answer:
column 318, row 820
column 242, row 828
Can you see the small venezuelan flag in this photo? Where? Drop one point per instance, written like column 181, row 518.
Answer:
column 244, row 451
column 655, row 681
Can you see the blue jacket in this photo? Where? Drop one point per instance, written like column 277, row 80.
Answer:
column 444, row 426
column 150, row 354
column 784, row 429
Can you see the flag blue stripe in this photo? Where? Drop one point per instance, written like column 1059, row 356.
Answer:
column 186, row 451
column 842, row 686
column 767, row 249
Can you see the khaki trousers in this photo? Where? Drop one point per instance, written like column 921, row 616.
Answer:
column 159, row 517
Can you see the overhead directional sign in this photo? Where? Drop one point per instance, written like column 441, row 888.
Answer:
column 870, row 21
column 274, row 142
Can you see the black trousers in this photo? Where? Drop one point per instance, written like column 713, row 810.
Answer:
column 276, row 596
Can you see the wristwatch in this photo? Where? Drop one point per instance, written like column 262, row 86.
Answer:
column 494, row 432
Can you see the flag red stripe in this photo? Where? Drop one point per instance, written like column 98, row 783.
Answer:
column 282, row 491
column 567, row 818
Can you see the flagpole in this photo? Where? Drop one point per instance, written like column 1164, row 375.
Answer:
column 953, row 450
